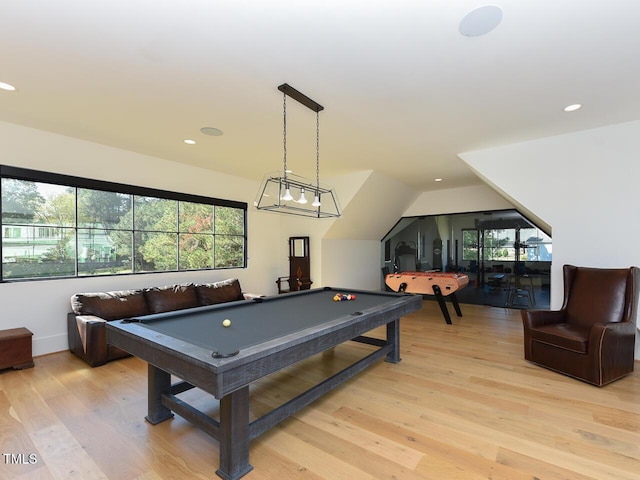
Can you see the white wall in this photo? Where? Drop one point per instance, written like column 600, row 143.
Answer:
column 293, row 226
column 475, row 198
column 41, row 306
column 351, row 246
column 351, row 264
column 584, row 185
column 375, row 203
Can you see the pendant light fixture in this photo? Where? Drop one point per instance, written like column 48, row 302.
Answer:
column 286, row 192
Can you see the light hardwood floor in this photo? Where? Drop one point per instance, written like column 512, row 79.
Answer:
column 462, row 404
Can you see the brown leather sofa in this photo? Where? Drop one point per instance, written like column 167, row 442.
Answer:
column 91, row 311
column 592, row 337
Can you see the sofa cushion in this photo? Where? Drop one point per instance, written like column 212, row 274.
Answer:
column 171, row 297
column 219, row 292
column 110, row 305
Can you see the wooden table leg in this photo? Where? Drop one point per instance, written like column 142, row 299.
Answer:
column 393, row 338
column 234, row 435
column 158, row 383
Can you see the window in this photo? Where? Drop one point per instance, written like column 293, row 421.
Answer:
column 60, row 226
column 10, row 232
column 470, row 243
column 537, row 245
column 499, row 244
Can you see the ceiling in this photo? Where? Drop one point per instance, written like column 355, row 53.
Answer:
column 403, row 90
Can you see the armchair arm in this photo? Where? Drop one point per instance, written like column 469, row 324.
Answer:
column 612, row 336
column 538, row 318
column 611, row 349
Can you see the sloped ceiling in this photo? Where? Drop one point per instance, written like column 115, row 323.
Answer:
column 404, row 91
column 373, row 206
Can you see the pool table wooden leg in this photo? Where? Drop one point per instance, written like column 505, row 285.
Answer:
column 393, row 338
column 159, row 382
column 234, row 435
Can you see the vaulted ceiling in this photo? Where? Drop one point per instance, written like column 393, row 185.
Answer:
column 403, row 90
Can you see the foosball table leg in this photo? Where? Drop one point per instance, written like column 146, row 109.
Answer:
column 443, row 305
column 456, row 305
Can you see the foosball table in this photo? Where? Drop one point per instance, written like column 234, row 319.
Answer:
column 440, row 284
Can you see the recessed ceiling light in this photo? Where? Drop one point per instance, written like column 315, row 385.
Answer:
column 6, row 86
column 188, row 141
column 437, row 179
column 481, row 21
column 572, row 108
column 213, row 132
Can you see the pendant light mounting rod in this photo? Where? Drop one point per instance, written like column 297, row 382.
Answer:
column 300, row 97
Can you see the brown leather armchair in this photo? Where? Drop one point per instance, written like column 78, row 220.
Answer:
column 592, row 337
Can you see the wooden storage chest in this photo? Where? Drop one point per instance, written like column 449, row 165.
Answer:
column 15, row 348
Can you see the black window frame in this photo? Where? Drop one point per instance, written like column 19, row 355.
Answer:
column 24, row 174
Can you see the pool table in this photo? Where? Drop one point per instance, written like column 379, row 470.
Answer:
column 264, row 336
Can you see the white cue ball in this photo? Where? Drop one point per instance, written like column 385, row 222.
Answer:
column 226, row 323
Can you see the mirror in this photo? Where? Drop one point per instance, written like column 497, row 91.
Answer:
column 298, row 249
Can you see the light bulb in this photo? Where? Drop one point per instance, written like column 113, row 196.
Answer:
column 302, row 198
column 316, row 200
column 287, row 194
